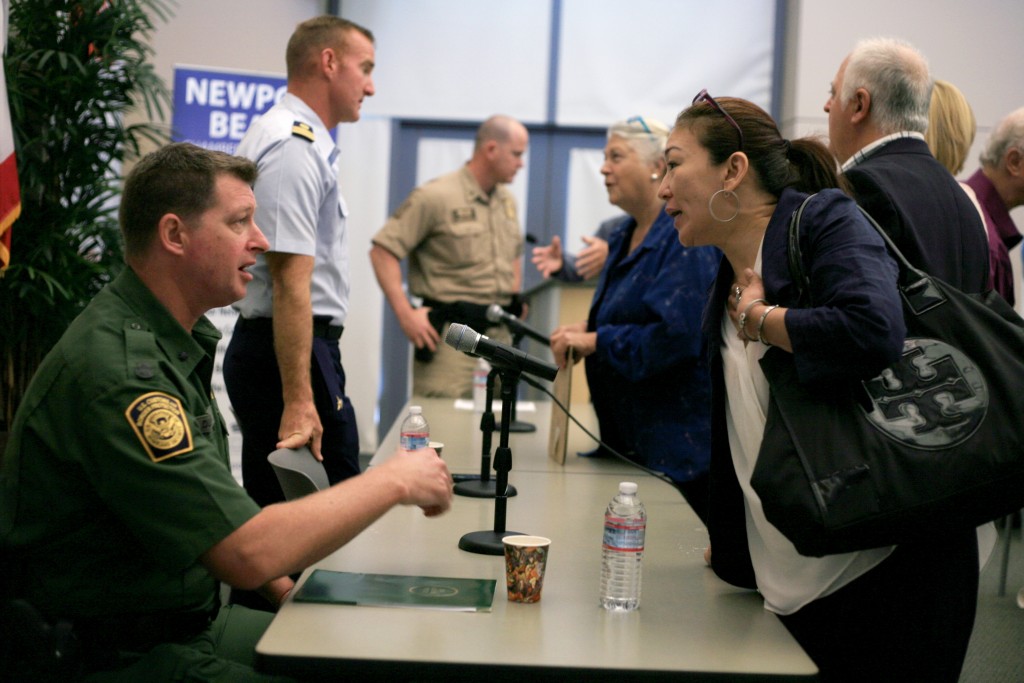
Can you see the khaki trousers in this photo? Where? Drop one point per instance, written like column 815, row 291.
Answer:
column 450, row 373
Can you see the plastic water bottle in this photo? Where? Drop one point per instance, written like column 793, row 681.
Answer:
column 480, row 372
column 625, row 524
column 415, row 432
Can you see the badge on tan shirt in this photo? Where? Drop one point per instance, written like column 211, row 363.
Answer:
column 160, row 422
column 464, row 214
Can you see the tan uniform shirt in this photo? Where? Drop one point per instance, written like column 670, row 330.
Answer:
column 462, row 245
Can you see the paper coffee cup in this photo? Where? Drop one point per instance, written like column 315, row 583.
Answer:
column 526, row 559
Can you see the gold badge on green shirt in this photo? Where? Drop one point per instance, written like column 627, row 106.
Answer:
column 160, row 423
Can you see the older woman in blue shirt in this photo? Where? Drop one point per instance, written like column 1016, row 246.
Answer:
column 642, row 340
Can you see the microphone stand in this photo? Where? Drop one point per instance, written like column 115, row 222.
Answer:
column 484, row 487
column 518, row 426
column 489, row 542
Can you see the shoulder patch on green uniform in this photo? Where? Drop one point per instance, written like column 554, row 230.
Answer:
column 160, row 422
column 302, row 130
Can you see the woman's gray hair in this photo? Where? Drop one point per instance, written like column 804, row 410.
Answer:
column 645, row 135
column 896, row 74
column 1009, row 133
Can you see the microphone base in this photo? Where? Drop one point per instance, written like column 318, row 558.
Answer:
column 485, row 542
column 481, row 489
column 521, row 427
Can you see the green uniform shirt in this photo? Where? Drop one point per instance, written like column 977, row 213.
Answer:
column 462, row 244
column 116, row 477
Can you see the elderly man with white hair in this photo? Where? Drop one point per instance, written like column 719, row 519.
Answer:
column 999, row 185
column 877, row 115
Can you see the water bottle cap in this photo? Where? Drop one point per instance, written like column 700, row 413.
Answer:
column 415, row 410
column 627, row 487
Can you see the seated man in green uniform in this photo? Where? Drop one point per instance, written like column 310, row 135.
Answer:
column 118, row 511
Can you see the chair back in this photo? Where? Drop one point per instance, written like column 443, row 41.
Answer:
column 298, row 472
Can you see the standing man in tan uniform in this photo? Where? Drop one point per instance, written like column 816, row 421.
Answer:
column 462, row 237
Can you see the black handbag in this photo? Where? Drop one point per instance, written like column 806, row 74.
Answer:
column 935, row 441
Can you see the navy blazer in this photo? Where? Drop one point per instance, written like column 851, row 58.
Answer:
column 923, row 208
column 854, row 330
column 648, row 376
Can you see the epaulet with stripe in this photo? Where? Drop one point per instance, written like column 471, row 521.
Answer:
column 302, row 130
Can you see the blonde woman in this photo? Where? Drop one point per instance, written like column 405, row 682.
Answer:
column 951, row 126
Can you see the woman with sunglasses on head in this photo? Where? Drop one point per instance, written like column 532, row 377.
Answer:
column 732, row 181
column 646, row 371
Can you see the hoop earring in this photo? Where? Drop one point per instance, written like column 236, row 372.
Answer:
column 733, row 197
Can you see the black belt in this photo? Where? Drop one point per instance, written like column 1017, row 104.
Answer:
column 322, row 326
column 464, row 312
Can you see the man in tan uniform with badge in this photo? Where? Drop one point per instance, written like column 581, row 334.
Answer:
column 462, row 237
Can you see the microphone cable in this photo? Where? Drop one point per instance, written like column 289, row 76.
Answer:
column 565, row 409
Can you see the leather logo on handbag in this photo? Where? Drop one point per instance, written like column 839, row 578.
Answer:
column 934, row 398
column 933, row 442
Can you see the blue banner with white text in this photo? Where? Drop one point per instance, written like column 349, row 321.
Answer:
column 213, row 108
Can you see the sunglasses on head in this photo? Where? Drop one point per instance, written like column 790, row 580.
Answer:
column 703, row 96
column 643, row 124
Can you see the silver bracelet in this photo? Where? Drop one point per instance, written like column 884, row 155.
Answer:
column 760, row 325
column 743, row 318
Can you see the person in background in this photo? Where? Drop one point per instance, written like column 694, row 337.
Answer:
column 951, row 126
column 999, row 186
column 282, row 368
column 950, row 134
column 877, row 115
column 119, row 515
column 642, row 345
column 552, row 262
column 462, row 237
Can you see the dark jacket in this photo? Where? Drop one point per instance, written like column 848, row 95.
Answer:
column 856, row 330
column 648, row 377
column 923, row 208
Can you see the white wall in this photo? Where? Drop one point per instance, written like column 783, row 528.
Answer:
column 429, row 53
column 468, row 59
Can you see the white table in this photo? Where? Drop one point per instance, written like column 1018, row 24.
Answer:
column 690, row 625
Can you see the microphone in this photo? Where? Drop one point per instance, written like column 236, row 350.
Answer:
column 463, row 338
column 497, row 314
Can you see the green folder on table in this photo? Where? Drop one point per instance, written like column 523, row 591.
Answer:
column 392, row 590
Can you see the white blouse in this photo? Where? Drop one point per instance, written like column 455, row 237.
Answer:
column 786, row 579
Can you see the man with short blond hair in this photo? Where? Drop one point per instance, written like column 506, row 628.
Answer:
column 283, row 369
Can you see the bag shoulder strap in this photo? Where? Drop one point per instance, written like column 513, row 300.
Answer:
column 910, row 276
column 908, row 272
column 796, row 260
